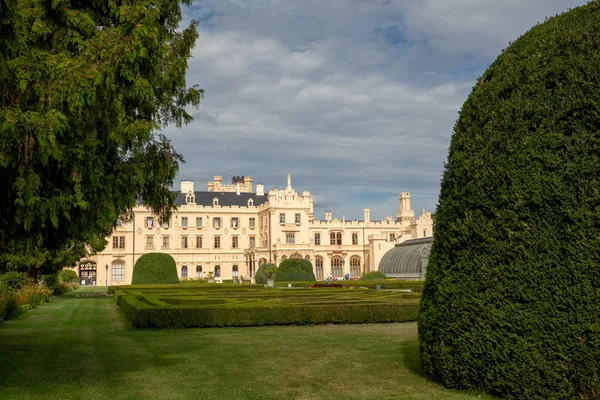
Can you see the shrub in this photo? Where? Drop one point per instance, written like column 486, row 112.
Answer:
column 3, row 306
column 68, row 275
column 262, row 275
column 374, row 275
column 511, row 298
column 12, row 306
column 50, row 281
column 31, row 296
column 155, row 268
column 13, row 281
column 293, row 270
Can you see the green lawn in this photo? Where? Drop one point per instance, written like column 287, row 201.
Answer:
column 82, row 348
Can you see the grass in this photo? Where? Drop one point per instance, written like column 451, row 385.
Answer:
column 82, row 348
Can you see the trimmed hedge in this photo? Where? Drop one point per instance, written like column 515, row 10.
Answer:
column 174, row 308
column 511, row 300
column 155, row 268
column 68, row 275
column 415, row 286
column 374, row 275
column 295, row 270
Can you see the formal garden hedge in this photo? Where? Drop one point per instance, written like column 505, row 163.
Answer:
column 262, row 275
column 295, row 270
column 253, row 305
column 155, row 268
column 511, row 300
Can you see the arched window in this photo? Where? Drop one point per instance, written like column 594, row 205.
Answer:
column 235, row 271
column 262, row 261
column 283, row 258
column 307, row 258
column 215, row 202
column 336, row 267
column 190, row 198
column 217, row 271
column 184, row 273
column 319, row 267
column 355, row 267
column 250, row 202
column 118, row 271
column 198, row 271
column 296, row 256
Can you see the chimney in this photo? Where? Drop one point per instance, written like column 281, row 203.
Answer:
column 260, row 189
column 237, row 188
column 367, row 215
column 187, row 187
column 327, row 215
column 289, row 185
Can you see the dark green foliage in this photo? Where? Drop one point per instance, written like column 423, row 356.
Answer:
column 86, row 88
column 293, row 269
column 375, row 275
column 155, row 268
column 262, row 275
column 238, row 305
column 511, row 300
column 13, row 281
column 68, row 275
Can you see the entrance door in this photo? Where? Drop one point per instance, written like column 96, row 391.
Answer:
column 87, row 273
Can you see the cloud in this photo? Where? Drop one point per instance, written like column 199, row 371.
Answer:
column 356, row 99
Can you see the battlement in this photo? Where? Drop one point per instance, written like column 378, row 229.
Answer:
column 241, row 184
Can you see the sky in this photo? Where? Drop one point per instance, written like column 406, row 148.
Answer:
column 355, row 99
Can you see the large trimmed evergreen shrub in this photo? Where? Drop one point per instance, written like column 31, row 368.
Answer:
column 262, row 275
column 295, row 270
column 155, row 268
column 511, row 302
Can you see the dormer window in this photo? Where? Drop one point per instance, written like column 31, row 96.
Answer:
column 190, row 198
column 215, row 202
column 250, row 202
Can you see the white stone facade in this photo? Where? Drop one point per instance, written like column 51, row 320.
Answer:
column 230, row 230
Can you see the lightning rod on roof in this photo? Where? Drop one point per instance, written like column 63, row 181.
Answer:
column 229, row 171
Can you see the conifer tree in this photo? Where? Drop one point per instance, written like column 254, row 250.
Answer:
column 85, row 89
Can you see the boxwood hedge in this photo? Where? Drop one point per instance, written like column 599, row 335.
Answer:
column 511, row 298
column 294, row 269
column 155, row 268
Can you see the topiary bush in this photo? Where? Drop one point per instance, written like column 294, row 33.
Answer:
column 155, row 268
column 68, row 275
column 511, row 297
column 262, row 275
column 374, row 275
column 295, row 270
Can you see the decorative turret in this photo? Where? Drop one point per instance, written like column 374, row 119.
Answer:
column 404, row 213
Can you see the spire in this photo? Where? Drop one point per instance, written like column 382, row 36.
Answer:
column 229, row 165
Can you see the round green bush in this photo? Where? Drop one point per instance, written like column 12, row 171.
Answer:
column 372, row 276
column 155, row 268
column 68, row 275
column 512, row 293
column 262, row 275
column 12, row 281
column 295, row 270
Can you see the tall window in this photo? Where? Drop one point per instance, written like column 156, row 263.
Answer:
column 319, row 267
column 118, row 271
column 317, row 239
column 282, row 218
column 183, row 222
column 424, row 233
column 198, row 222
column 336, row 267
column 290, row 238
column 198, row 242
column 252, row 240
column 165, row 242
column 235, row 222
column 297, row 218
column 198, row 271
column 149, row 222
column 355, row 238
column 184, row 271
column 355, row 267
column 392, row 237
column 234, row 242
column 217, row 271
column 335, row 238
column 118, row 242
column 252, row 222
column 217, row 242
column 165, row 224
column 149, row 242
column 234, row 271
column 184, row 242
column 216, row 222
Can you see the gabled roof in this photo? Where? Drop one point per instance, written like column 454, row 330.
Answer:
column 225, row 199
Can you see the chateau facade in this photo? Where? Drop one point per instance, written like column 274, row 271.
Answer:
column 230, row 230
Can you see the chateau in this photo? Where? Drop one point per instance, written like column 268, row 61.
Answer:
column 229, row 230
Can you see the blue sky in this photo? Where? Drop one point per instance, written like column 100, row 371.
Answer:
column 356, row 99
